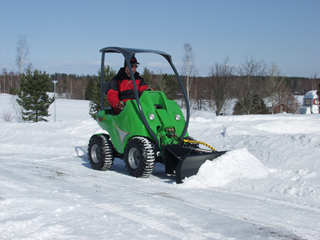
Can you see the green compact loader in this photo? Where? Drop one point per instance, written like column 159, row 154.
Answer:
column 150, row 129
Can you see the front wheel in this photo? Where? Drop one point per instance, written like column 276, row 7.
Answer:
column 139, row 157
column 100, row 152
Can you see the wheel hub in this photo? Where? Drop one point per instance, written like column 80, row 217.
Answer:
column 134, row 158
column 95, row 153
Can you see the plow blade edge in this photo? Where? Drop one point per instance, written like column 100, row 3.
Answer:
column 184, row 162
column 191, row 164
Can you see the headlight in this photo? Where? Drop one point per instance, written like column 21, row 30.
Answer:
column 177, row 117
column 151, row 116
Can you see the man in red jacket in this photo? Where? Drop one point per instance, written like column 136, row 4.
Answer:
column 121, row 87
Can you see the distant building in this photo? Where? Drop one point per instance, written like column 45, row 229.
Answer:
column 310, row 103
column 280, row 107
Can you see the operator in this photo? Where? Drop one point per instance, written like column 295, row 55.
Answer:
column 121, row 87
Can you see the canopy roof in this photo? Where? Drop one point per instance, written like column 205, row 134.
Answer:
column 128, row 52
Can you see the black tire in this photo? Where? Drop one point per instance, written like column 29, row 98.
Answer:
column 139, row 157
column 100, row 152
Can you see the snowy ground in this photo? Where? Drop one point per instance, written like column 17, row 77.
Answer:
column 266, row 187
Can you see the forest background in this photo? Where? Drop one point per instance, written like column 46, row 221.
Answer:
column 255, row 86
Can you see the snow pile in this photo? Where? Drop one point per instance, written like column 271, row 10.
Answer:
column 232, row 166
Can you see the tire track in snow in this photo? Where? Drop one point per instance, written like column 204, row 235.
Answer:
column 268, row 199
column 242, row 216
column 18, row 228
column 175, row 225
column 34, row 173
column 151, row 222
column 263, row 218
column 26, row 223
column 174, row 197
column 242, row 213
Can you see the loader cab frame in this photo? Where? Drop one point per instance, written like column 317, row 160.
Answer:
column 128, row 53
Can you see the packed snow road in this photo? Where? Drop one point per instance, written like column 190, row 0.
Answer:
column 266, row 187
column 58, row 197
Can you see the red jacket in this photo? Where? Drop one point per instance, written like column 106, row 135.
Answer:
column 121, row 88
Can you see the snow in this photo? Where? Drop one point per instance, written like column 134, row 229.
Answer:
column 232, row 166
column 265, row 187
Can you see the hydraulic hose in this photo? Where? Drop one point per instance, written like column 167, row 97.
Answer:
column 205, row 144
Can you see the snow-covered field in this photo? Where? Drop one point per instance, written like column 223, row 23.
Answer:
column 266, row 187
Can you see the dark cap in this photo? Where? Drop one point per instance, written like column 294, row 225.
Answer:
column 132, row 61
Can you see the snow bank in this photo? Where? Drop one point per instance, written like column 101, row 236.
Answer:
column 232, row 166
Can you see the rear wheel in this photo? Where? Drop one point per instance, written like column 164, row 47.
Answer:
column 100, row 152
column 139, row 157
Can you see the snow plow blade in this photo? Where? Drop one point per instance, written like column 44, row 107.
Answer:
column 185, row 163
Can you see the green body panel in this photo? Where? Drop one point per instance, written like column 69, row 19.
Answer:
column 128, row 123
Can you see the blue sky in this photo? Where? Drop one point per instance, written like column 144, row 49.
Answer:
column 66, row 36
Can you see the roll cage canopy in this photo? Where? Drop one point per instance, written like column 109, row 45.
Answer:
column 131, row 52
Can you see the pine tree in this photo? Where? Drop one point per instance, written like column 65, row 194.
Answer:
column 95, row 105
column 238, row 109
column 89, row 89
column 171, row 86
column 147, row 76
column 258, row 106
column 32, row 96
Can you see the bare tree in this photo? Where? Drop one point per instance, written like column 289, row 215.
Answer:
column 167, row 84
column 22, row 52
column 285, row 96
column 219, row 84
column 251, row 73
column 17, row 108
column 13, row 81
column 6, row 115
column 160, row 83
column 188, row 68
column 200, row 92
column 274, row 83
column 313, row 81
column 4, row 73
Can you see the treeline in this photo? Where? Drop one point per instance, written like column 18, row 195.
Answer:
column 213, row 91
column 256, row 87
column 253, row 94
column 73, row 86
